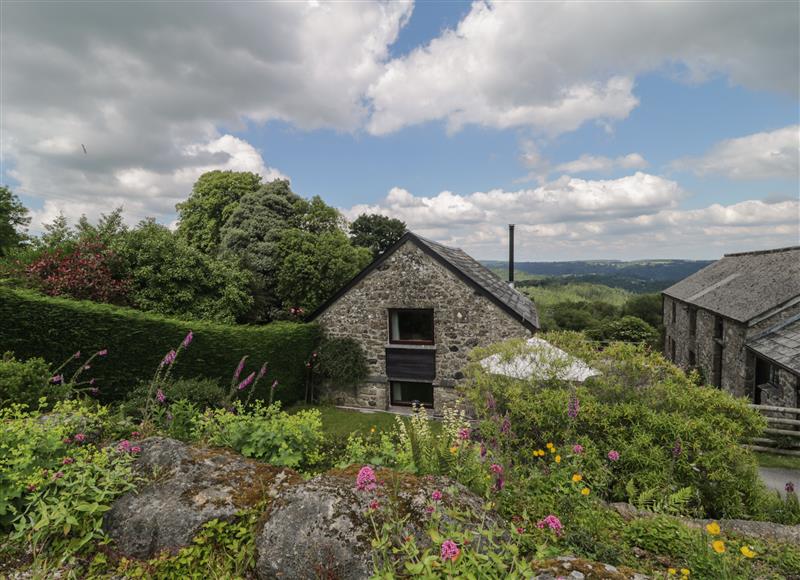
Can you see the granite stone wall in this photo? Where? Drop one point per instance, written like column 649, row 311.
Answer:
column 409, row 278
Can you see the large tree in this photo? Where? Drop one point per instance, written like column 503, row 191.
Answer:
column 376, row 232
column 170, row 277
column 13, row 220
column 214, row 198
column 314, row 266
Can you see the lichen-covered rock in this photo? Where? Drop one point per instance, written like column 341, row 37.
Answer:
column 320, row 528
column 190, row 487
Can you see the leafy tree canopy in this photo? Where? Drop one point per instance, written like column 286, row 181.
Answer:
column 315, row 266
column 645, row 306
column 376, row 232
column 214, row 197
column 108, row 227
column 13, row 220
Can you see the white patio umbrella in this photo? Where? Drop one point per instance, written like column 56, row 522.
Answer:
column 542, row 361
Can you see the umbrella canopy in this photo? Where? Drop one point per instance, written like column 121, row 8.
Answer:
column 542, row 361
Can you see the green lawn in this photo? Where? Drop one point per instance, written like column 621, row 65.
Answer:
column 782, row 461
column 339, row 423
column 545, row 296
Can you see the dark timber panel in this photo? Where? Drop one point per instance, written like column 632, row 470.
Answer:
column 411, row 364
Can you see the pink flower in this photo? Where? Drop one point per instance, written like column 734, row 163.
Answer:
column 246, row 382
column 263, row 371
column 577, row 449
column 520, row 530
column 103, row 352
column 67, row 461
column 429, row 509
column 274, row 384
column 160, row 396
column 613, row 455
column 551, row 522
column 450, row 551
column 31, row 488
column 498, row 469
column 136, row 449
column 77, row 355
column 169, row 358
column 374, row 505
column 436, row 495
column 239, row 369
column 66, row 440
column 789, row 487
column 135, row 434
column 79, row 437
column 187, row 339
column 365, row 480
column 463, row 434
column 573, row 407
column 87, row 367
column 58, row 475
column 94, row 390
column 124, row 446
column 58, row 379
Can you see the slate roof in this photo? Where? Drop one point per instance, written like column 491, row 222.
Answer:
column 780, row 344
column 742, row 286
column 466, row 268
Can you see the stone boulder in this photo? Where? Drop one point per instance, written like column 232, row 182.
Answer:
column 321, row 528
column 189, row 486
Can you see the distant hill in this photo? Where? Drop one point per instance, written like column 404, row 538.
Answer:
column 635, row 276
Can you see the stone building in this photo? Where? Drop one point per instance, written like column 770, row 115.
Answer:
column 417, row 311
column 738, row 322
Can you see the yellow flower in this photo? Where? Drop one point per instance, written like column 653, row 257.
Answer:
column 718, row 545
column 713, row 528
column 549, row 445
column 372, row 430
column 585, row 491
column 454, row 449
column 576, row 477
column 539, row 453
column 672, row 571
column 558, row 459
column 684, row 571
column 747, row 552
column 552, row 450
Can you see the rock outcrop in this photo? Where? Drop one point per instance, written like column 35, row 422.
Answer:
column 189, row 486
column 322, row 527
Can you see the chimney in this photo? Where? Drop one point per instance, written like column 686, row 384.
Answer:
column 511, row 255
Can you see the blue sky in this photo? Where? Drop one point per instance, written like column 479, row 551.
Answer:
column 602, row 130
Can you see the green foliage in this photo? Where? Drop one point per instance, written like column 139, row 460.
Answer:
column 27, row 381
column 54, row 328
column 645, row 306
column 172, row 278
column 213, row 199
column 549, row 293
column 315, row 266
column 265, row 432
column 626, row 329
column 660, row 535
column 13, row 220
column 376, row 232
column 342, row 362
column 670, row 433
column 202, row 392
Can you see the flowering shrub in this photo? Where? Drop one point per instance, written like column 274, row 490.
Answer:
column 264, row 432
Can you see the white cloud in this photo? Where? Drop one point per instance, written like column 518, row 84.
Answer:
column 632, row 217
column 154, row 90
column 766, row 155
column 554, row 66
column 588, row 163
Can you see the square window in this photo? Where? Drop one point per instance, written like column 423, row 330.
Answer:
column 411, row 326
column 406, row 393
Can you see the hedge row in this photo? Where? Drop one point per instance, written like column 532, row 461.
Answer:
column 55, row 328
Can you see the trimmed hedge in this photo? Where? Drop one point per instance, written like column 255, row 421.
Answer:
column 32, row 325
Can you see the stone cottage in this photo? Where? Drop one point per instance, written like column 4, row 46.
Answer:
column 738, row 322
column 417, row 311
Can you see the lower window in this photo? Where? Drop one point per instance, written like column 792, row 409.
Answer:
column 406, row 393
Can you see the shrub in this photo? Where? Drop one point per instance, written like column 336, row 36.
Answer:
column 265, row 432
column 26, row 381
column 54, row 328
column 626, row 329
column 670, row 433
column 342, row 362
column 201, row 392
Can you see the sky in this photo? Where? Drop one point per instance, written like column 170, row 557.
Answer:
column 604, row 130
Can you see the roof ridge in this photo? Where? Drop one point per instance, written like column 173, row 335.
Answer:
column 756, row 252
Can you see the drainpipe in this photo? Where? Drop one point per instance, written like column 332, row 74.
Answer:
column 511, row 255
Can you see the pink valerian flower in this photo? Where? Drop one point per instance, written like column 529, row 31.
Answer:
column 67, row 461
column 31, row 488
column 58, row 475
column 124, row 446
column 577, row 449
column 374, row 505
column 450, row 551
column 520, row 530
column 429, row 509
column 135, row 434
column 551, row 522
column 495, row 468
column 169, row 358
column 463, row 434
column 239, row 369
column 161, row 397
column 436, row 495
column 573, row 407
column 103, row 352
column 67, row 440
column 187, row 339
column 57, row 379
column 365, row 480
column 136, row 449
column 246, row 382
column 789, row 487
column 613, row 455
column 505, row 428
column 79, row 437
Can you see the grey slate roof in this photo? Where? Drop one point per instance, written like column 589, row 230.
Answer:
column 742, row 286
column 781, row 344
column 486, row 279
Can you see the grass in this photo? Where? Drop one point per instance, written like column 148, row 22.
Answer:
column 780, row 461
column 339, row 423
column 576, row 292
